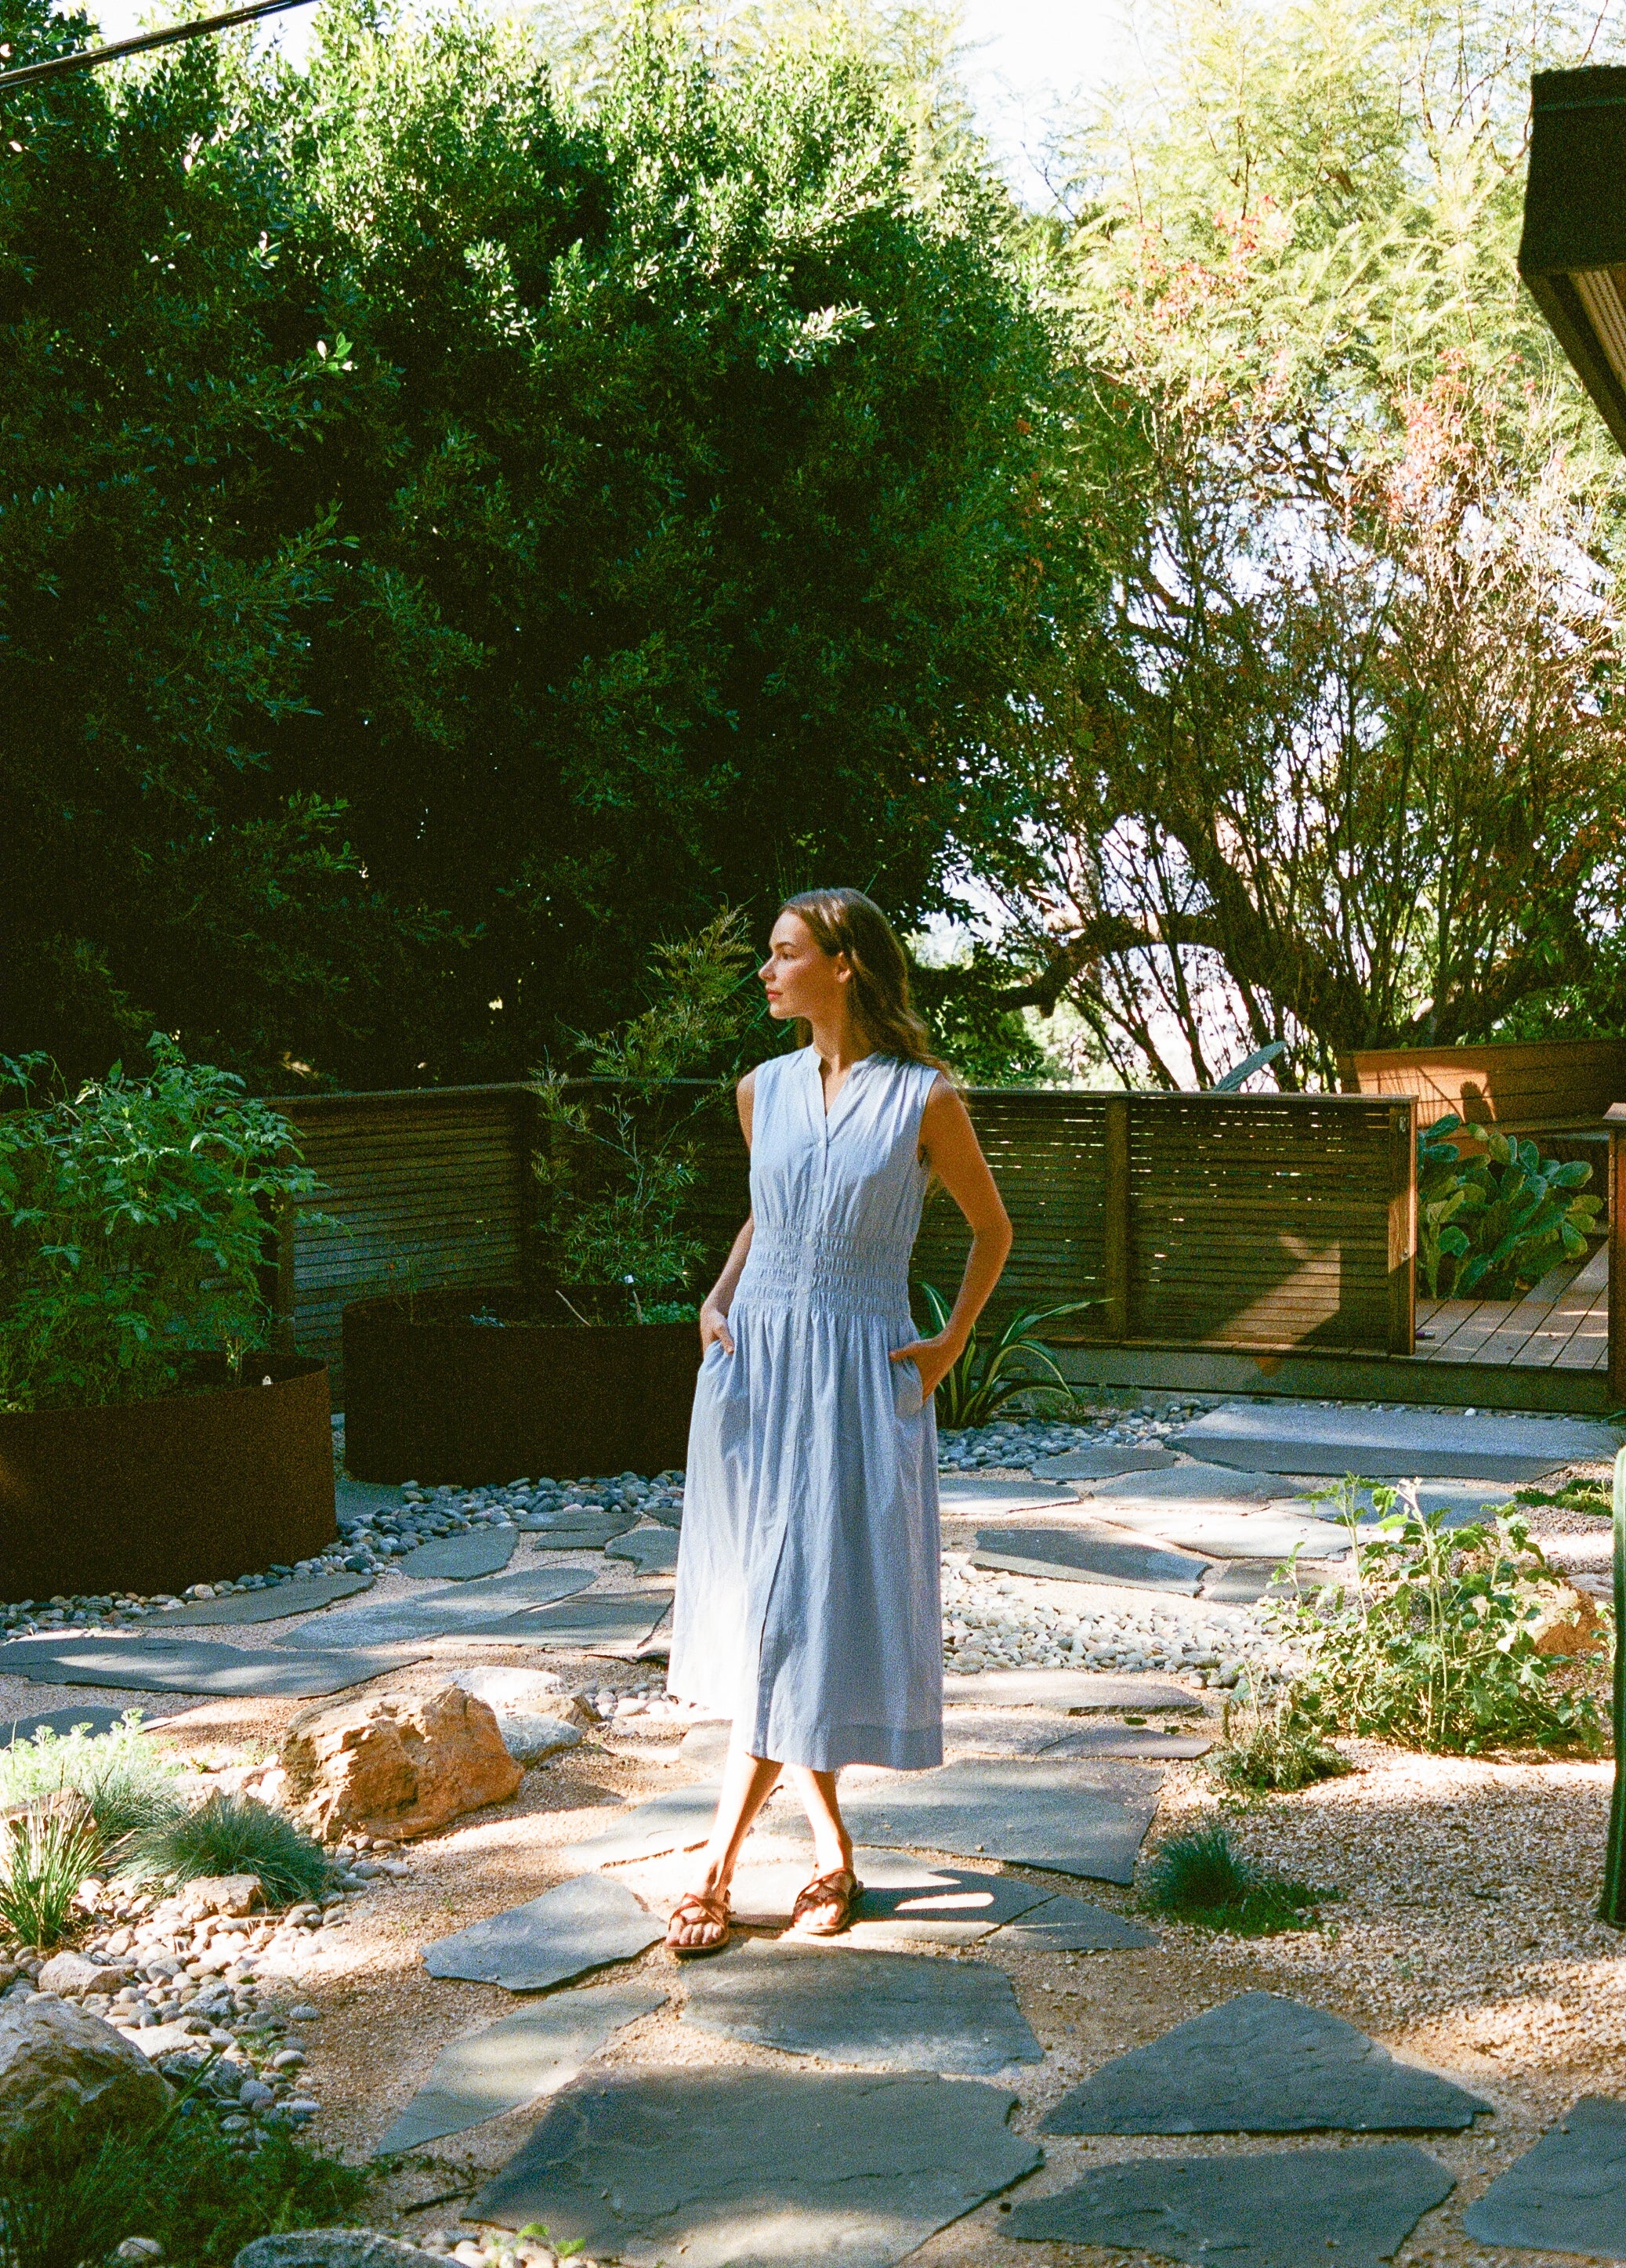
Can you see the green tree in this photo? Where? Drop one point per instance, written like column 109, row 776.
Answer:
column 468, row 522
column 159, row 590
column 1335, row 757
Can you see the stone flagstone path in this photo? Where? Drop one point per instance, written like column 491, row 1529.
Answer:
column 1568, row 2193
column 473, row 1608
column 880, row 2045
column 461, row 1558
column 1089, row 1554
column 578, row 1925
column 302, row 1596
column 1263, row 2064
column 759, row 2168
column 653, row 1551
column 515, row 2061
column 1390, row 1442
column 1065, row 1818
column 1286, row 2209
column 155, row 1665
column 876, row 2011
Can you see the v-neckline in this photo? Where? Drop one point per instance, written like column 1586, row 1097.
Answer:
column 828, row 1110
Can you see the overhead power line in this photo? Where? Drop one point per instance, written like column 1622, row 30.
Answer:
column 87, row 58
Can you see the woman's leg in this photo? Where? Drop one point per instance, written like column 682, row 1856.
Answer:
column 832, row 1843
column 748, row 1783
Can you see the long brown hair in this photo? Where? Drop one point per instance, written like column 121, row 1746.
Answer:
column 845, row 921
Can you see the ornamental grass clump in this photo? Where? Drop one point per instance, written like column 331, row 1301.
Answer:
column 46, row 1853
column 237, row 1835
column 1431, row 1643
column 1204, row 1880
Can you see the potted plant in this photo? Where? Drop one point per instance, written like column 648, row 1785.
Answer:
column 149, row 1439
column 589, row 1365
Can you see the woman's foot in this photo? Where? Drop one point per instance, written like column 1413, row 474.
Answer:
column 699, row 1923
column 824, row 1906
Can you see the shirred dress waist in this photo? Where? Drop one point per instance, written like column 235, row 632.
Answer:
column 825, row 1268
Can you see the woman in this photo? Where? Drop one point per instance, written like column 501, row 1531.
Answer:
column 807, row 1604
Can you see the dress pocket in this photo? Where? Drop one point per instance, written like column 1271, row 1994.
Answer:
column 908, row 1388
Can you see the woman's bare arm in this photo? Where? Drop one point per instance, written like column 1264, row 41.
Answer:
column 949, row 1145
column 717, row 1302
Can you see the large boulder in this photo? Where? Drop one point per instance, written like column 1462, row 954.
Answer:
column 57, row 2063
column 397, row 1764
column 1567, row 1621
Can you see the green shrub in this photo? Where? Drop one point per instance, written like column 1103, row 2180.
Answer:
column 984, row 1379
column 1272, row 1746
column 1492, row 1223
column 616, row 1166
column 1575, row 1495
column 1203, row 1878
column 1430, row 1644
column 128, row 1783
column 182, row 2184
column 131, row 1228
column 237, row 1835
column 46, row 1852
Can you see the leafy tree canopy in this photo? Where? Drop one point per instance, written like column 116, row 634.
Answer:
column 461, row 519
column 1332, row 751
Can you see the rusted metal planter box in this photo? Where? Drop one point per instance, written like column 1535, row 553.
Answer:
column 198, row 1487
column 430, row 1396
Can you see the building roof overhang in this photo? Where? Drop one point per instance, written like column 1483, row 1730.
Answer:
column 1572, row 253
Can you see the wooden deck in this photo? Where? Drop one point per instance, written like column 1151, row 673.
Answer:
column 1561, row 1324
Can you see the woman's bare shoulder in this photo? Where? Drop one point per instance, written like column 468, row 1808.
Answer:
column 942, row 1095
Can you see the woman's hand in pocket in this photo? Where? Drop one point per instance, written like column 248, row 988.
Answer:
column 714, row 1329
column 933, row 1357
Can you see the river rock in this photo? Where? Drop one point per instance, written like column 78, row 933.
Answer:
column 397, row 1764
column 231, row 1895
column 529, row 1738
column 330, row 2248
column 57, row 2062
column 71, row 1973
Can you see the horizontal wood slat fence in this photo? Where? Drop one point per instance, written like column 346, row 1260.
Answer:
column 1254, row 1223
column 1524, row 1084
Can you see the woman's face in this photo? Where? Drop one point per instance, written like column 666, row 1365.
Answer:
column 800, row 978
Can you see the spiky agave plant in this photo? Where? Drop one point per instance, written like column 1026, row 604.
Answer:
column 1612, row 1905
column 985, row 1377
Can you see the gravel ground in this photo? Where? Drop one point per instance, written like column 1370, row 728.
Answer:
column 1463, row 1935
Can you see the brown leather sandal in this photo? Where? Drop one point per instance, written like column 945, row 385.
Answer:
column 840, row 1887
column 710, row 1913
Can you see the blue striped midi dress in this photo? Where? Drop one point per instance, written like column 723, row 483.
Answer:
column 807, row 1603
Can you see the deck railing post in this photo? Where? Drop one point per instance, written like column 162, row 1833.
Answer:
column 1611, row 1905
column 1115, row 1236
column 1403, row 1332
